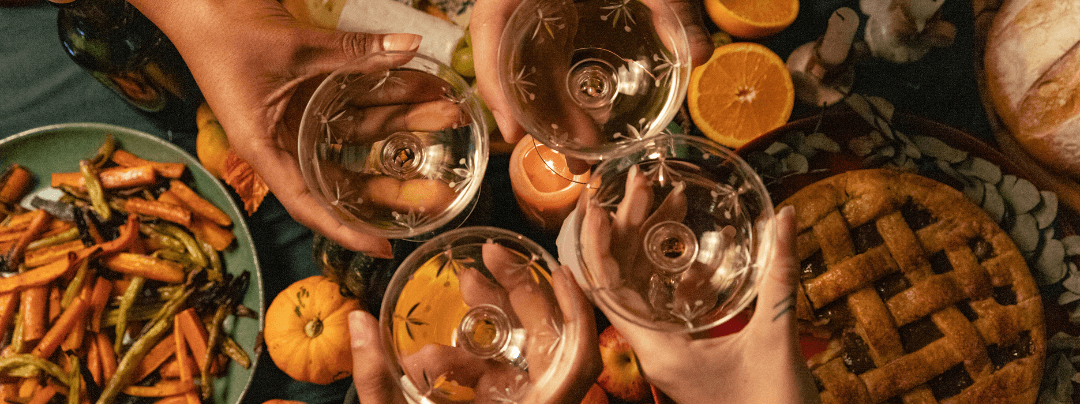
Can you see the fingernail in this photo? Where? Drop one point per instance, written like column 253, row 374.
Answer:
column 385, row 250
column 787, row 210
column 401, row 42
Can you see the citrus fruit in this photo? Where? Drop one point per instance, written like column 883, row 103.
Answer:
column 211, row 144
column 743, row 91
column 751, row 19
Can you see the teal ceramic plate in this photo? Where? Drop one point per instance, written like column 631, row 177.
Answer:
column 58, row 148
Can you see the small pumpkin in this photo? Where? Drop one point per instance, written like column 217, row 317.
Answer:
column 307, row 331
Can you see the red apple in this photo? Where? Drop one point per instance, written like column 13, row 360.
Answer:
column 621, row 376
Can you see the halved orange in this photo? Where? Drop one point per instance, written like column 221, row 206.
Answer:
column 751, row 19
column 743, row 91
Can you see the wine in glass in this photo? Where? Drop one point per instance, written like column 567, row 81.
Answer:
column 674, row 235
column 472, row 316
column 394, row 144
column 590, row 78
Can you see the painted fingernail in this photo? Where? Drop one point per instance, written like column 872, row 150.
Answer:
column 401, row 42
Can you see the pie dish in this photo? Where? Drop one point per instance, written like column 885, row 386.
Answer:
column 923, row 297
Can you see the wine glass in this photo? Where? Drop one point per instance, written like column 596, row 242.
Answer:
column 394, row 144
column 590, row 78
column 471, row 315
column 674, row 235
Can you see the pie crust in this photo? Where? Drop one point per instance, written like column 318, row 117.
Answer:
column 923, row 297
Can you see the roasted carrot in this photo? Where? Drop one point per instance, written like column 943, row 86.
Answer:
column 41, row 256
column 19, row 221
column 175, row 399
column 98, row 300
column 155, row 357
column 195, row 334
column 106, row 354
column 8, row 304
column 16, row 184
column 40, row 275
column 197, row 204
column 64, row 325
column 33, row 305
column 36, row 226
column 145, row 266
column 129, row 234
column 219, row 237
column 163, row 388
column 165, row 169
column 93, row 358
column 183, row 358
column 9, row 390
column 44, row 394
column 111, row 178
column 161, row 210
column 54, row 303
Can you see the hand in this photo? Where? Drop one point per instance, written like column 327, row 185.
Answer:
column 257, row 66
column 529, row 305
column 486, row 26
column 759, row 364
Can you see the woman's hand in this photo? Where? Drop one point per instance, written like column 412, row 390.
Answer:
column 257, row 66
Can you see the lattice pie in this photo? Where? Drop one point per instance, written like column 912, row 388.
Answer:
column 924, row 298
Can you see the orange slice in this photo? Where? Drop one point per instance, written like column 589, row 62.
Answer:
column 752, row 19
column 743, row 91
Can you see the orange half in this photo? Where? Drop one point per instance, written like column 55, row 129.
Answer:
column 743, row 91
column 752, row 19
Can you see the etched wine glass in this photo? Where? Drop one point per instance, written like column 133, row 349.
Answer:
column 472, row 316
column 591, row 78
column 673, row 236
column 394, row 144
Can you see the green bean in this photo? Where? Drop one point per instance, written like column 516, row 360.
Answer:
column 216, row 268
column 190, row 245
column 129, row 363
column 175, row 256
column 75, row 380
column 104, row 152
column 126, row 301
column 74, row 287
column 66, row 235
column 137, row 312
column 95, row 191
column 155, row 235
column 17, row 361
column 235, row 352
column 212, row 341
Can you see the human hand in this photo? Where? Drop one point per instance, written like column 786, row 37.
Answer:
column 257, row 66
column 759, row 364
column 531, row 306
column 486, row 27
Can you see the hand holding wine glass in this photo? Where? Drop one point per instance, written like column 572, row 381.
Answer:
column 475, row 315
column 759, row 364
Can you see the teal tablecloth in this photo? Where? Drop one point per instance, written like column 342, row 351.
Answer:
column 40, row 85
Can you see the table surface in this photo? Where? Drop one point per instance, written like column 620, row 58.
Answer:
column 42, row 86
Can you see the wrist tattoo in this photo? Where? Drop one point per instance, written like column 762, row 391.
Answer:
column 784, row 306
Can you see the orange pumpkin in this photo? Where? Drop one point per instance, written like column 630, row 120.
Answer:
column 307, row 331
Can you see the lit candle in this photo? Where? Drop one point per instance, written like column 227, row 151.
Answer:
column 542, row 184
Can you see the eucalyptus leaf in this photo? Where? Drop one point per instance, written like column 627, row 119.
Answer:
column 992, row 203
column 974, row 192
column 1025, row 233
column 1046, row 212
column 934, row 147
column 777, row 148
column 819, row 141
column 1023, row 196
column 1051, row 261
column 796, row 163
column 1067, row 297
column 861, row 107
column 1072, row 245
column 985, row 170
column 883, row 107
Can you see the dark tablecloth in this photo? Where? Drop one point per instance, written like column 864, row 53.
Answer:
column 40, row 85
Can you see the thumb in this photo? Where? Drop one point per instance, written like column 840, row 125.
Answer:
column 371, row 368
column 335, row 48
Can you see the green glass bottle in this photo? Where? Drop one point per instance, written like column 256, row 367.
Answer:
column 124, row 51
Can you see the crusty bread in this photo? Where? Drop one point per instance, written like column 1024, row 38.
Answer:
column 1032, row 63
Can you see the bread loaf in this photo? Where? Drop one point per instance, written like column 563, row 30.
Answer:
column 1032, row 64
